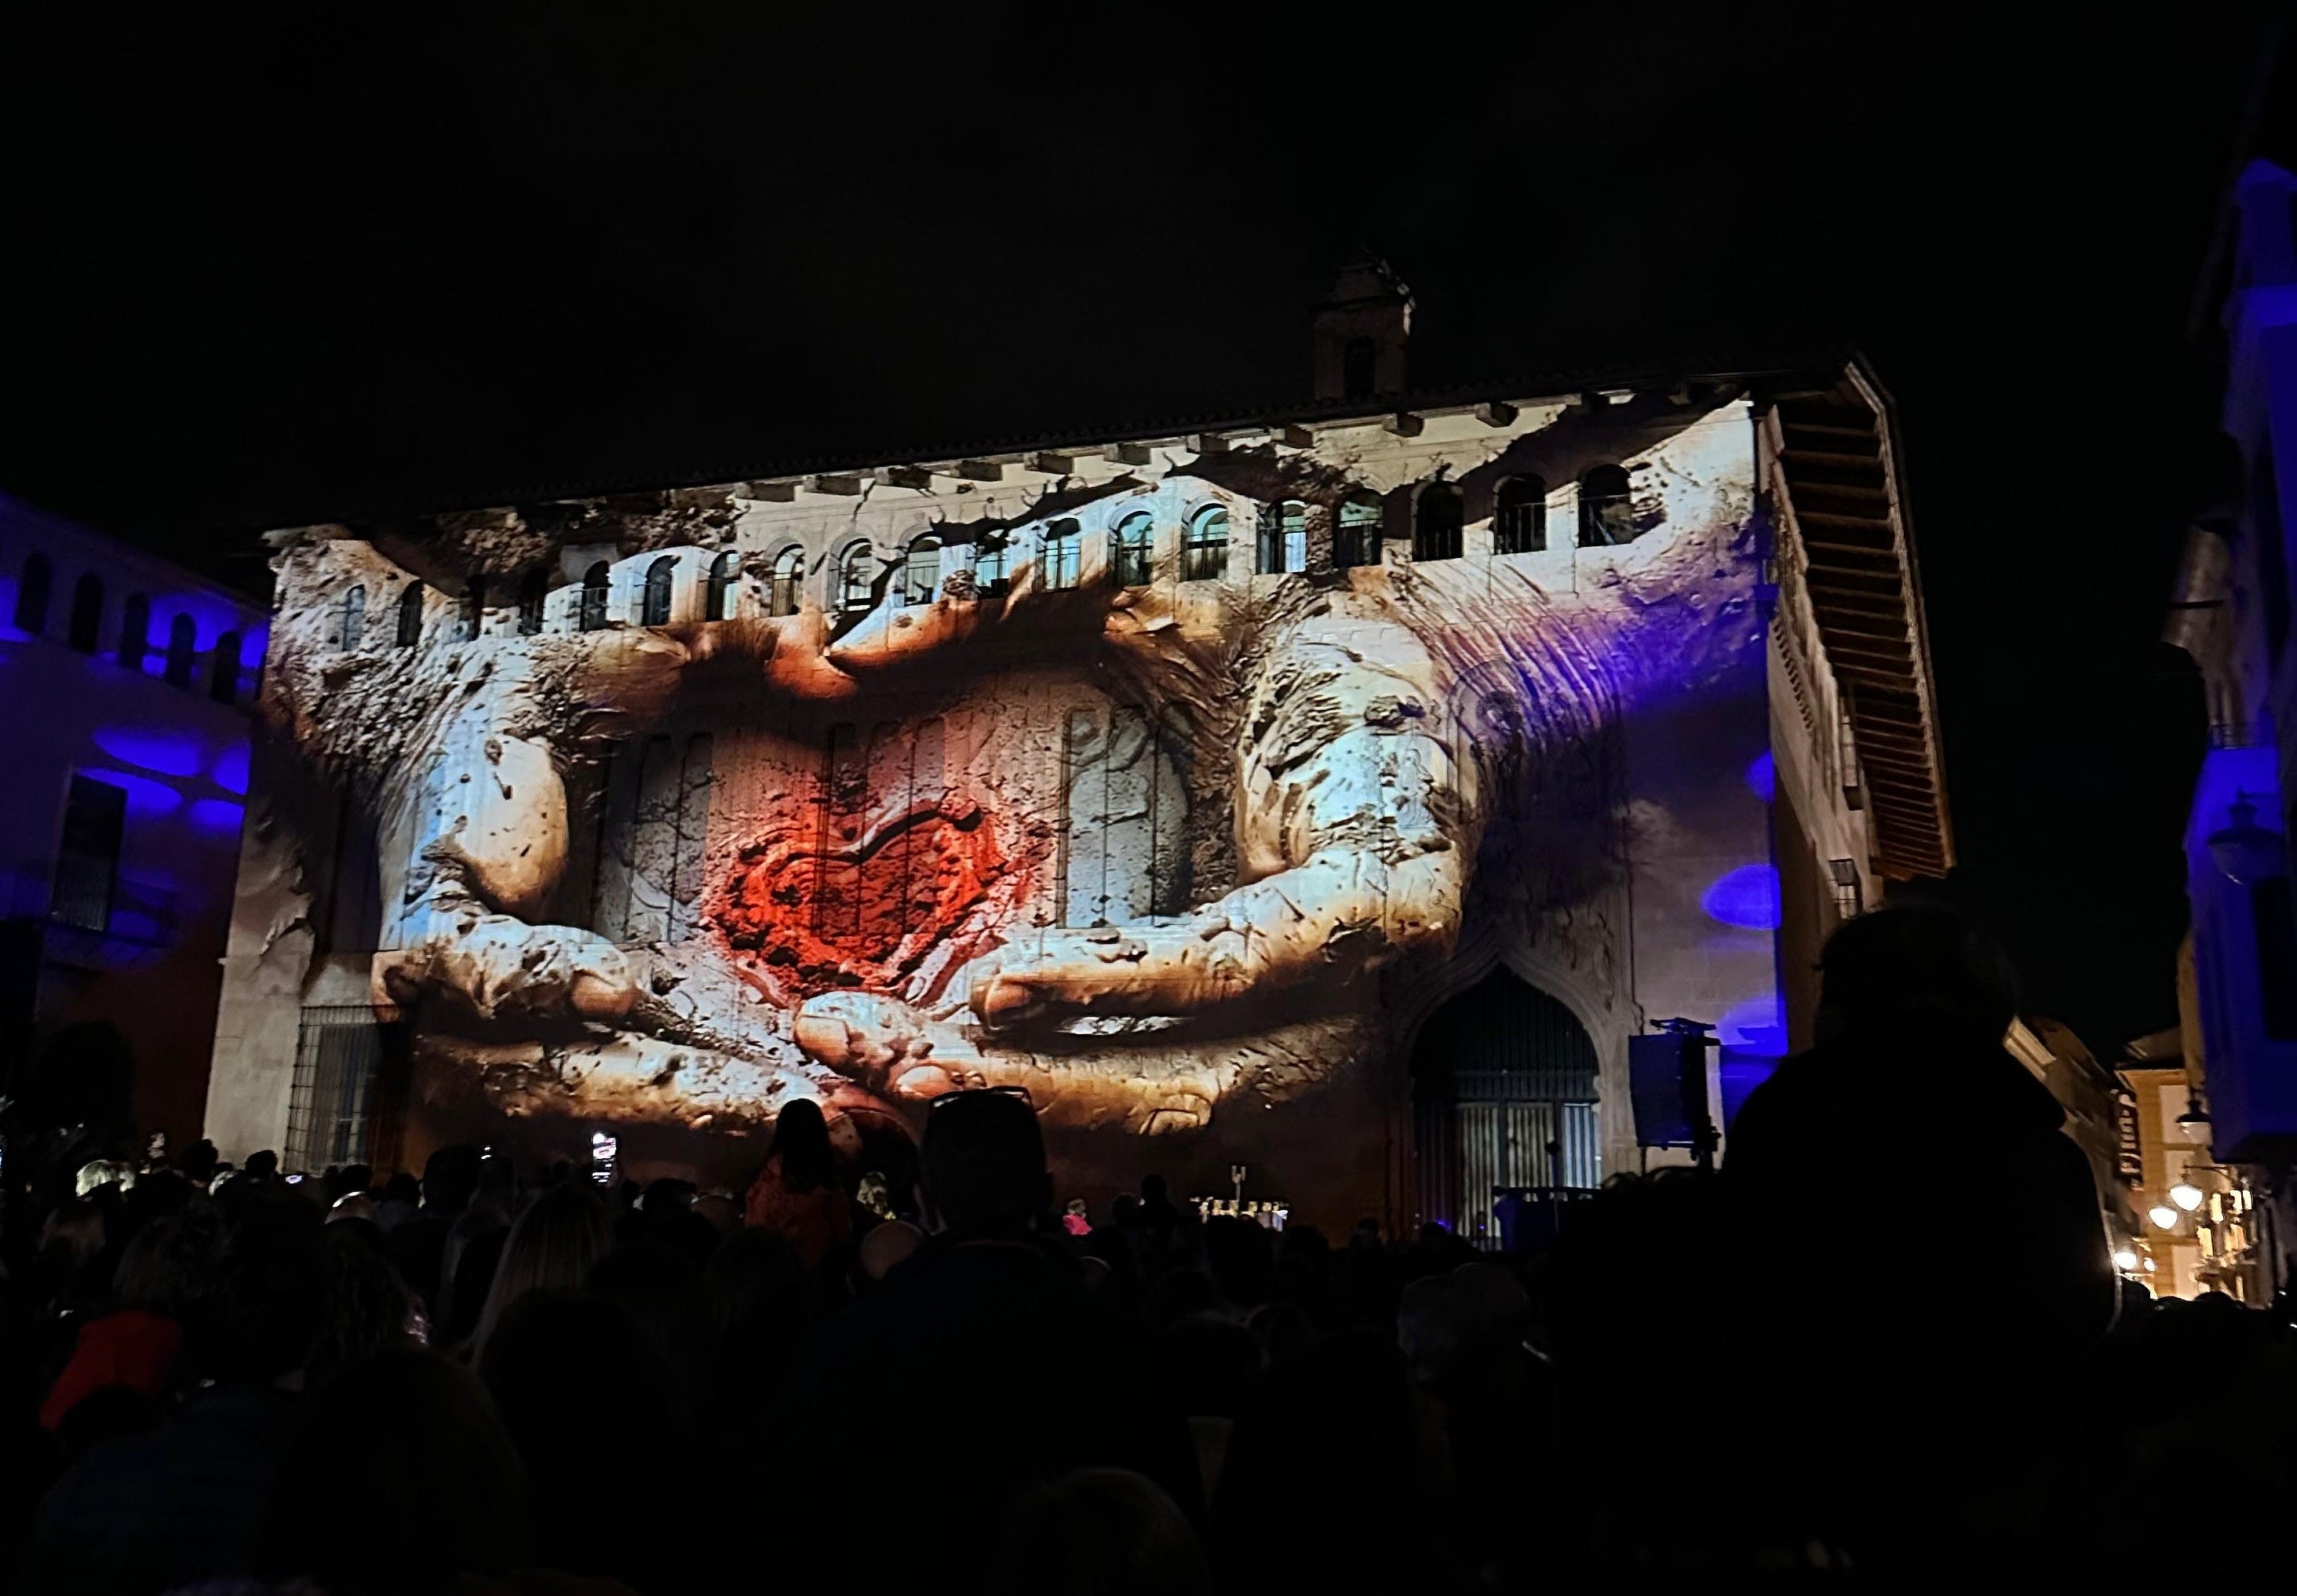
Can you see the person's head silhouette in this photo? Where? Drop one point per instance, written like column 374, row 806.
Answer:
column 1920, row 969
column 984, row 1162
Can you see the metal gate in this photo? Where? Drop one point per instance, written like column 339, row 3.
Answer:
column 1504, row 1096
column 341, row 1054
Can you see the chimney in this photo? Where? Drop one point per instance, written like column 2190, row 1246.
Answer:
column 1362, row 328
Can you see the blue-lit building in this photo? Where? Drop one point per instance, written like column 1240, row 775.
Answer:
column 126, row 688
column 2232, row 611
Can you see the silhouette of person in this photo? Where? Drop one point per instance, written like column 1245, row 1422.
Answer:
column 1907, row 1123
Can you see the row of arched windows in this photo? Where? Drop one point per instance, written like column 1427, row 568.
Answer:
column 1438, row 524
column 84, row 627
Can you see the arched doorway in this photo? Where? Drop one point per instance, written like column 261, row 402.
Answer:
column 1503, row 1094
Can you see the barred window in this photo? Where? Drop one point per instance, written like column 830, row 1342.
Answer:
column 1064, row 553
column 598, row 582
column 1356, row 542
column 1203, row 558
column 1132, row 550
column 1519, row 517
column 788, row 589
column 1283, row 537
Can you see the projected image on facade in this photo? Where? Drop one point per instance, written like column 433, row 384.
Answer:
column 1176, row 783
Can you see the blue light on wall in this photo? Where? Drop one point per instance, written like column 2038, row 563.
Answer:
column 1763, row 776
column 230, row 771
column 1747, row 897
column 147, row 800
column 1756, row 1027
column 160, row 753
column 217, row 814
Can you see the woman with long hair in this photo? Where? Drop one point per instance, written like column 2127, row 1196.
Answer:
column 797, row 1193
column 551, row 1248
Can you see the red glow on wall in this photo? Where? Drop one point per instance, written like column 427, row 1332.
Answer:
column 815, row 912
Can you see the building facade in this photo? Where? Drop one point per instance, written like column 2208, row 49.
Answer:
column 127, row 689
column 2232, row 611
column 1335, row 794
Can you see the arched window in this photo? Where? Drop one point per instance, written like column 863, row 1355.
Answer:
column 597, row 583
column 86, row 614
column 1132, row 550
column 724, row 586
column 1355, row 541
column 1283, row 537
column 1359, row 369
column 989, row 562
column 474, row 608
column 410, row 615
column 1064, row 553
column 1519, row 517
column 134, row 630
column 788, row 590
column 32, row 594
column 533, row 594
column 1607, row 511
column 1437, row 522
column 921, row 570
column 1204, row 556
column 662, row 577
column 223, row 669
column 353, row 627
column 857, row 579
column 183, row 638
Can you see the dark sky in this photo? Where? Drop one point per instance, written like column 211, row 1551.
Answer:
column 273, row 265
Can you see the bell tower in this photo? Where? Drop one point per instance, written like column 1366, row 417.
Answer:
column 1362, row 328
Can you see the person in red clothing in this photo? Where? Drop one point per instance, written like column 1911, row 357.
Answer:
column 137, row 1344
column 797, row 1192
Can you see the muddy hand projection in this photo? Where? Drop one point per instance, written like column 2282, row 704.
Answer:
column 1161, row 781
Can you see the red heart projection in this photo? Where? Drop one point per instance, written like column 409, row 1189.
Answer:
column 819, row 912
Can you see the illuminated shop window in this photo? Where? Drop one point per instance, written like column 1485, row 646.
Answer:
column 533, row 594
column 921, row 571
column 352, row 627
column 1437, row 522
column 410, row 615
column 86, row 614
column 474, row 608
column 724, row 586
column 1132, row 550
column 989, row 552
column 598, row 582
column 134, row 630
column 1203, row 558
column 1606, row 507
column 32, row 594
column 1283, row 538
column 1519, row 517
column 655, row 602
column 183, row 636
column 1356, row 542
column 87, row 860
column 857, row 576
column 223, row 669
column 789, row 583
column 1064, row 553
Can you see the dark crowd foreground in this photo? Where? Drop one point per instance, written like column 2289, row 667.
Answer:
column 1875, row 1345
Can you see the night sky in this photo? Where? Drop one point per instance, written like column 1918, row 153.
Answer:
column 278, row 267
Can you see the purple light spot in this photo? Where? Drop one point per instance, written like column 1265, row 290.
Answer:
column 1757, row 1026
column 230, row 772
column 147, row 800
column 217, row 814
column 1763, row 776
column 159, row 753
column 1747, row 897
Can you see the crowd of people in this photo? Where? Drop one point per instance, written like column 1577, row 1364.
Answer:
column 498, row 1379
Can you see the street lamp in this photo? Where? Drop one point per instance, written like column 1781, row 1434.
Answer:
column 2194, row 1125
column 2163, row 1216
column 2125, row 1259
column 2187, row 1195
